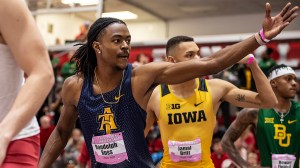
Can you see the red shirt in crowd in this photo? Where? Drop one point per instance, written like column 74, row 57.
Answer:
column 45, row 134
column 218, row 159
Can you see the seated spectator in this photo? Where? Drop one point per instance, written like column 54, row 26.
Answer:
column 72, row 149
column 249, row 140
column 218, row 156
column 69, row 68
column 252, row 159
column 141, row 59
column 227, row 163
column 46, row 129
column 240, row 147
column 81, row 37
column 84, row 160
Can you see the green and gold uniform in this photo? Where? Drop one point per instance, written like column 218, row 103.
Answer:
column 276, row 137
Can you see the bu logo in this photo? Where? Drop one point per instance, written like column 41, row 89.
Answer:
column 281, row 135
column 107, row 121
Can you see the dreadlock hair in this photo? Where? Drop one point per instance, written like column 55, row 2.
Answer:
column 275, row 67
column 85, row 56
column 174, row 41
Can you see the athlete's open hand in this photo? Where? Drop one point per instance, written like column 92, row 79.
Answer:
column 274, row 25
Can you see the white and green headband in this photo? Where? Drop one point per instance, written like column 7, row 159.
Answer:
column 280, row 72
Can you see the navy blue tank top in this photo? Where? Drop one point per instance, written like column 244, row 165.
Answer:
column 129, row 118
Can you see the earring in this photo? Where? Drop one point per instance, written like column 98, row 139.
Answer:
column 99, row 52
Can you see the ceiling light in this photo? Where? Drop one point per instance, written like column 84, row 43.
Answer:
column 123, row 15
column 80, row 2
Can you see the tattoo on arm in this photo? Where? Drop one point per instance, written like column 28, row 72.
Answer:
column 242, row 98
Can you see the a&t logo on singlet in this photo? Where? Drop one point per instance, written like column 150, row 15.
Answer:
column 281, row 135
column 107, row 121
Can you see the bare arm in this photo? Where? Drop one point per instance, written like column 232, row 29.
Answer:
column 174, row 73
column 21, row 35
column 149, row 121
column 245, row 118
column 153, row 108
column 226, row 57
column 265, row 97
column 65, row 125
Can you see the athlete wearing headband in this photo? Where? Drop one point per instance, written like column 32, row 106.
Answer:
column 277, row 128
column 284, row 70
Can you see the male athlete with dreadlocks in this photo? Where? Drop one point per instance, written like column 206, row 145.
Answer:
column 110, row 96
column 277, row 129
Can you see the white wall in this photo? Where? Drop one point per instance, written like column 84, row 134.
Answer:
column 234, row 24
column 147, row 31
column 65, row 27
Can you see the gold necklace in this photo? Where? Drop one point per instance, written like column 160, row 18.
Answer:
column 116, row 98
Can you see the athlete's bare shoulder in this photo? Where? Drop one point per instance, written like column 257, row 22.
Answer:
column 156, row 90
column 74, row 80
column 220, row 85
column 217, row 82
column 72, row 89
column 155, row 96
column 218, row 88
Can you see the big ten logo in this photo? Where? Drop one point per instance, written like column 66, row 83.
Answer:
column 172, row 106
column 269, row 120
column 107, row 121
column 281, row 135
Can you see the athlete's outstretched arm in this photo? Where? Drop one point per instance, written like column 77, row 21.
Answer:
column 228, row 56
column 264, row 98
column 174, row 73
column 19, row 31
column 245, row 118
column 64, row 127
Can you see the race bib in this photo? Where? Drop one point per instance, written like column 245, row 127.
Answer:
column 283, row 161
column 188, row 151
column 109, row 149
